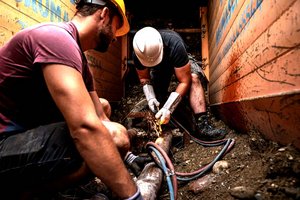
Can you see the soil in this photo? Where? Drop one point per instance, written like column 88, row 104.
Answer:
column 255, row 168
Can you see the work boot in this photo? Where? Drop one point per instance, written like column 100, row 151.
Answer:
column 204, row 131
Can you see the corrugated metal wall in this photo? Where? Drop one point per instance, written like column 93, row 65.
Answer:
column 108, row 68
column 254, row 59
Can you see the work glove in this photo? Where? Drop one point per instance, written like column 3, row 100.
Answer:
column 137, row 163
column 164, row 114
column 136, row 196
column 150, row 96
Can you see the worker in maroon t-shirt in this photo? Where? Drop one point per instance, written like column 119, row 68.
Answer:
column 53, row 128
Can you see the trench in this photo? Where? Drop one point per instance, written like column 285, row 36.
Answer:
column 161, row 170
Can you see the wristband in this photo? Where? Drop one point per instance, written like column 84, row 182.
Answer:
column 136, row 196
column 130, row 158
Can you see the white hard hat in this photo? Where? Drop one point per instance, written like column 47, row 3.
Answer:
column 148, row 46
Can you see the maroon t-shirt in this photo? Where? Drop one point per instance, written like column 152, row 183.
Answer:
column 25, row 101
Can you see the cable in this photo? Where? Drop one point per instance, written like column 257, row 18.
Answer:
column 173, row 195
column 168, row 162
column 201, row 171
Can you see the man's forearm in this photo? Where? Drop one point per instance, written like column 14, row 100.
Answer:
column 182, row 88
column 102, row 157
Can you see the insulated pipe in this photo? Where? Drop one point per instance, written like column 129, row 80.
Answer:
column 150, row 179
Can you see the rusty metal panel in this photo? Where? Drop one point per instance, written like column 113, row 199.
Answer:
column 254, row 68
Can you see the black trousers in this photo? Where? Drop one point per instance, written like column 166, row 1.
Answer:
column 37, row 156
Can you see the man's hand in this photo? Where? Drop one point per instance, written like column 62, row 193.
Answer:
column 164, row 115
column 153, row 105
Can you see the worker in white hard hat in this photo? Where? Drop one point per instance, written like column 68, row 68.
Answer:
column 157, row 56
column 54, row 130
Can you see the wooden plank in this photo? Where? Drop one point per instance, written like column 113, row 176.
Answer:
column 281, row 38
column 249, row 8
column 277, row 118
column 4, row 34
column 108, row 61
column 69, row 5
column 111, row 96
column 50, row 10
column 187, row 30
column 107, row 71
column 278, row 77
column 214, row 14
column 216, row 17
column 109, row 86
column 124, row 57
column 15, row 16
column 229, row 15
column 246, row 31
column 204, row 41
column 109, row 78
column 10, row 22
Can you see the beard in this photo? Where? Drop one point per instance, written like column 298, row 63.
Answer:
column 104, row 38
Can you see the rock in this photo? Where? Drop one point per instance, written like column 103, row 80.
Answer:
column 242, row 192
column 219, row 166
column 201, row 184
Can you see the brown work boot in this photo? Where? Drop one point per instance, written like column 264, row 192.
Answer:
column 207, row 132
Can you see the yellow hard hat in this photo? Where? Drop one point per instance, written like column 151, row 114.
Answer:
column 121, row 9
column 125, row 26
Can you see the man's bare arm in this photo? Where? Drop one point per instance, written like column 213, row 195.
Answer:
column 91, row 137
column 183, row 75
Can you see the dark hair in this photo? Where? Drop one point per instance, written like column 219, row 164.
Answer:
column 86, row 9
